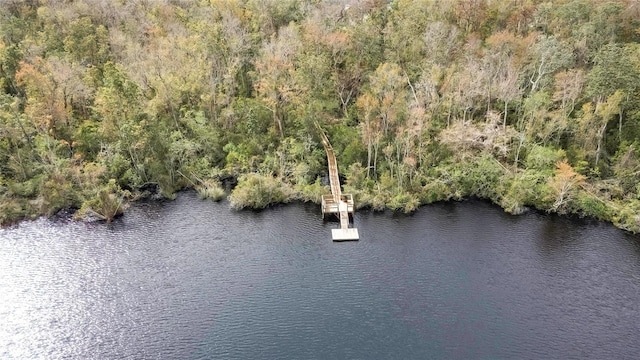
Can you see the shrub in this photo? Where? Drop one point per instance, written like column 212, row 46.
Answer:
column 210, row 189
column 627, row 215
column 435, row 190
column 379, row 202
column 543, row 158
column 363, row 197
column 405, row 202
column 257, row 191
column 587, row 204
column 478, row 177
column 311, row 192
column 526, row 189
column 109, row 202
column 57, row 193
column 12, row 209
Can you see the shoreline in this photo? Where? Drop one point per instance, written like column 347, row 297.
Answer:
column 72, row 214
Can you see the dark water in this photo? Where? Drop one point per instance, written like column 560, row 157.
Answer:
column 191, row 279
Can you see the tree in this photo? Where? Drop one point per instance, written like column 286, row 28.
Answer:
column 548, row 55
column 388, row 86
column 370, row 129
column 605, row 111
column 466, row 87
column 45, row 103
column 269, row 16
column 10, row 58
column 568, row 87
column 227, row 46
column 87, row 43
column 593, row 122
column 18, row 160
column 614, row 71
column 118, row 108
column 384, row 107
column 564, row 185
column 507, row 51
column 275, row 66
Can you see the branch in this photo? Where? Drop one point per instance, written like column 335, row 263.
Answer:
column 413, row 91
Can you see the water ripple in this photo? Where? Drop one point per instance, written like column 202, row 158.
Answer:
column 192, row 279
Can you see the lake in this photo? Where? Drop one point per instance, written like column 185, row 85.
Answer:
column 192, row 279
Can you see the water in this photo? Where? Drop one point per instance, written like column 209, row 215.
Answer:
column 191, row 279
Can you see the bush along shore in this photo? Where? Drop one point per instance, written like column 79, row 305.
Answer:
column 531, row 104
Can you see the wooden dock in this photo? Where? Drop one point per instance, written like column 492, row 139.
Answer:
column 337, row 203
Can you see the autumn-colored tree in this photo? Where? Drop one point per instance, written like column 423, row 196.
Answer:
column 568, row 88
column 508, row 51
column 439, row 96
column 564, row 185
column 45, row 98
column 275, row 66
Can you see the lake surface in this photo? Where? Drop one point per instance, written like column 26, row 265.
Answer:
column 191, row 279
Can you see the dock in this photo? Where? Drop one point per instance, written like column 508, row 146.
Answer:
column 337, row 203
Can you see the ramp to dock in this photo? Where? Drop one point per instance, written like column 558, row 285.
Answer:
column 337, row 203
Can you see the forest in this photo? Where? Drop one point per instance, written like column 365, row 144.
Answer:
column 529, row 104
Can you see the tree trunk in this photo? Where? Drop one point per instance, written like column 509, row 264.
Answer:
column 600, row 137
column 369, row 145
column 520, row 144
column 504, row 117
column 278, row 121
column 375, row 158
column 620, row 125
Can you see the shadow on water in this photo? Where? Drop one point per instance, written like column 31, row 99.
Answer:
column 633, row 240
column 555, row 234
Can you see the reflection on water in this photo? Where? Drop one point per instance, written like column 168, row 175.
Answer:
column 192, row 279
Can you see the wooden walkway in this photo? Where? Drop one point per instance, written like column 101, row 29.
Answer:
column 337, row 203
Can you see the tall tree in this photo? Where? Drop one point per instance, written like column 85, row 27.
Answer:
column 275, row 66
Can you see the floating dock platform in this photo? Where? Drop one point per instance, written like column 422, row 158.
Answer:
column 349, row 234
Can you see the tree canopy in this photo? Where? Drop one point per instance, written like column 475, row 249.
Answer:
column 527, row 103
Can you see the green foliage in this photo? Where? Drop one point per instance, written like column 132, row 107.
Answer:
column 87, row 139
column 9, row 211
column 57, row 193
column 589, row 205
column 87, row 43
column 108, row 202
column 10, row 57
column 257, row 191
column 626, row 215
column 435, row 189
column 423, row 101
column 250, row 118
column 243, row 158
column 349, row 150
column 613, row 70
column 25, row 189
column 543, row 158
column 405, row 202
column 526, row 189
column 481, row 177
column 626, row 167
column 210, row 189
column 310, row 192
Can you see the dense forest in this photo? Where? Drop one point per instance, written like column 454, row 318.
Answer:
column 527, row 103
